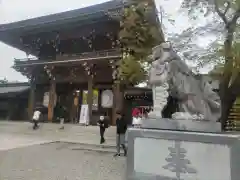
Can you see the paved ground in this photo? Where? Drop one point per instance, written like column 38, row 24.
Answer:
column 59, row 161
column 48, row 131
column 11, row 141
column 31, row 155
column 21, row 134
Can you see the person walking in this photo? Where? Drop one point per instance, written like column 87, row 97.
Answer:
column 103, row 124
column 36, row 116
column 121, row 130
column 62, row 116
column 60, row 110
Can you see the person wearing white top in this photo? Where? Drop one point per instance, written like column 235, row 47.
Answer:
column 36, row 116
column 137, row 121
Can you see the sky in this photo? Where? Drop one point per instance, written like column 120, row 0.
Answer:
column 15, row 10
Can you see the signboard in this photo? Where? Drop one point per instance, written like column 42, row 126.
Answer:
column 84, row 116
column 95, row 99
column 107, row 99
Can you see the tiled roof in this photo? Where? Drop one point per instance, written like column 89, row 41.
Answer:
column 13, row 89
column 95, row 11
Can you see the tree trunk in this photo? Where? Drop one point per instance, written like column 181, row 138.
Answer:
column 227, row 98
column 227, row 102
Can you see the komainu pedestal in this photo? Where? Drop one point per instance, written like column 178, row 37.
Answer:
column 181, row 155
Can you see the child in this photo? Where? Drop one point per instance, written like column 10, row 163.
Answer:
column 103, row 124
column 36, row 116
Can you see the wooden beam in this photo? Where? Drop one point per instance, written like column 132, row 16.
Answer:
column 69, row 62
column 51, row 103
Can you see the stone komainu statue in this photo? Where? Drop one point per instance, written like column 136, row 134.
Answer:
column 196, row 99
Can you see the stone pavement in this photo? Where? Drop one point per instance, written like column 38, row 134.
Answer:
column 20, row 134
column 59, row 161
column 8, row 141
column 53, row 154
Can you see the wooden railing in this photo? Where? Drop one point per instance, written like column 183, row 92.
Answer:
column 105, row 53
column 95, row 54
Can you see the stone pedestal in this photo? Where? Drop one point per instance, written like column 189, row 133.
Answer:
column 157, row 153
column 182, row 125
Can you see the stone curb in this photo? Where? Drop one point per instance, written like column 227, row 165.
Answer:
column 106, row 148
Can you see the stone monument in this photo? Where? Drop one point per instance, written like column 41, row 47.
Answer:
column 170, row 75
column 190, row 144
column 197, row 102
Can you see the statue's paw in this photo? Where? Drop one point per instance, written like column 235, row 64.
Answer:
column 187, row 116
column 154, row 115
column 183, row 116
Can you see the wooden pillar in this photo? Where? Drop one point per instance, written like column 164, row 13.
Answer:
column 100, row 101
column 120, row 98
column 114, row 110
column 116, row 102
column 90, row 97
column 31, row 100
column 52, row 92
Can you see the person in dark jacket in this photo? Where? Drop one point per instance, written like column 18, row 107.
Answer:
column 103, row 124
column 121, row 126
column 61, row 114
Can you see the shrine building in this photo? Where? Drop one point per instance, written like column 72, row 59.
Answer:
column 75, row 55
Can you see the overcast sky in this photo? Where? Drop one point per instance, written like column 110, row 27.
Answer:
column 15, row 10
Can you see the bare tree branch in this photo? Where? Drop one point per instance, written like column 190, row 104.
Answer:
column 161, row 15
column 227, row 7
column 221, row 15
column 231, row 27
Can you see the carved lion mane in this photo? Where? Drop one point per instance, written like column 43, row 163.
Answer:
column 196, row 98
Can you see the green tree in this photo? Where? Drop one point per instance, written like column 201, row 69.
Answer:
column 229, row 13
column 139, row 32
column 131, row 71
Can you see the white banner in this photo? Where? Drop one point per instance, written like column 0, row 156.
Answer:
column 107, row 99
column 84, row 116
column 46, row 99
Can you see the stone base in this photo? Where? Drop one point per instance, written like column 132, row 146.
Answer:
column 181, row 125
column 174, row 155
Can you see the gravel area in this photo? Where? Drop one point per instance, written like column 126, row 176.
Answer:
column 58, row 161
